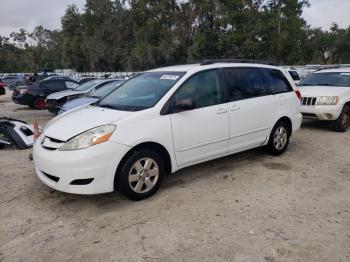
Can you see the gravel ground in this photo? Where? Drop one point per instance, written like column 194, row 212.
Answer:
column 245, row 207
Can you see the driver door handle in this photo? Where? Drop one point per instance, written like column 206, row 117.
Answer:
column 221, row 111
column 234, row 107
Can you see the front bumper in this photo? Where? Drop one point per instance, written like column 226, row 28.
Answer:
column 97, row 164
column 321, row 112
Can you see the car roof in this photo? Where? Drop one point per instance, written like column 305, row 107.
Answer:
column 334, row 70
column 199, row 67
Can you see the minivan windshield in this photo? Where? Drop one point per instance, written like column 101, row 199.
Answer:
column 88, row 85
column 327, row 79
column 105, row 90
column 141, row 92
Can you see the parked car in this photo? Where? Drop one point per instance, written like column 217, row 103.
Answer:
column 55, row 101
column 12, row 81
column 295, row 75
column 83, row 80
column 164, row 120
column 326, row 96
column 91, row 97
column 60, row 77
column 35, row 95
column 2, row 88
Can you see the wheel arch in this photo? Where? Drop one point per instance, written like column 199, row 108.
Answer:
column 288, row 121
column 154, row 146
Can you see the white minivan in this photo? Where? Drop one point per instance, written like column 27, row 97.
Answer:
column 164, row 120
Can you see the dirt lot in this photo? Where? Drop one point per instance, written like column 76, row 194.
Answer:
column 246, row 207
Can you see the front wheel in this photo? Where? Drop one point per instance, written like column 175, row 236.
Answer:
column 141, row 175
column 343, row 122
column 279, row 139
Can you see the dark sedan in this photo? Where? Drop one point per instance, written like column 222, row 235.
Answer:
column 35, row 95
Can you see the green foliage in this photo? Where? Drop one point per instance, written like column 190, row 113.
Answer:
column 111, row 35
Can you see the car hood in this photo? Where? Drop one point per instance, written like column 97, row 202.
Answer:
column 66, row 126
column 85, row 100
column 59, row 95
column 316, row 91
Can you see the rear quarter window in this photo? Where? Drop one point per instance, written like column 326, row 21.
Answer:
column 277, row 81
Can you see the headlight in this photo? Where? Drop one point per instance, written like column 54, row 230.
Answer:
column 328, row 100
column 91, row 137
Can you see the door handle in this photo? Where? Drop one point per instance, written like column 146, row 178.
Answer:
column 234, row 107
column 221, row 111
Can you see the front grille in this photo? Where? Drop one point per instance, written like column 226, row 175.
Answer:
column 54, row 178
column 308, row 115
column 308, row 101
column 81, row 182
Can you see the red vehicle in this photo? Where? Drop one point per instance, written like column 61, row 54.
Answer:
column 2, row 88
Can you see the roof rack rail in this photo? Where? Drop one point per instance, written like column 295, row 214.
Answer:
column 244, row 61
column 331, row 67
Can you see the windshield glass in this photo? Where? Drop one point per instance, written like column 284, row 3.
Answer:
column 327, row 79
column 142, row 91
column 105, row 90
column 88, row 85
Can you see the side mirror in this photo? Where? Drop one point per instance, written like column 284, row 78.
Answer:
column 184, row 104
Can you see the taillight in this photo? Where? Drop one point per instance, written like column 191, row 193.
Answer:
column 23, row 90
column 297, row 92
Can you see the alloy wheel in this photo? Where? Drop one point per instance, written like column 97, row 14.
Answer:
column 280, row 138
column 143, row 175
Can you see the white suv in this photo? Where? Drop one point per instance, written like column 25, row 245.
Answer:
column 166, row 119
column 326, row 96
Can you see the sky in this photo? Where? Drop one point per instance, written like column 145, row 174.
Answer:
column 16, row 14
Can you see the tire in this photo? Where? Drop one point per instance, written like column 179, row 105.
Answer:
column 343, row 122
column 279, row 139
column 133, row 176
column 39, row 103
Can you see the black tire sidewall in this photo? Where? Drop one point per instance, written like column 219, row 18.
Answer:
column 123, row 177
column 338, row 123
column 271, row 146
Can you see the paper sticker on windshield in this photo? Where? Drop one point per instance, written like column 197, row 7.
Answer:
column 345, row 74
column 169, row 77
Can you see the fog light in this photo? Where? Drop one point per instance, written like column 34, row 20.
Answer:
column 329, row 116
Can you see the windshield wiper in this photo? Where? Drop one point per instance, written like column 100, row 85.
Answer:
column 325, row 85
column 107, row 106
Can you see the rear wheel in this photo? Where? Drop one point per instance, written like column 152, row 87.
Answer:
column 141, row 175
column 40, row 103
column 279, row 138
column 343, row 121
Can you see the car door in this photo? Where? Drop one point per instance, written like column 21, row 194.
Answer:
column 252, row 108
column 201, row 133
column 282, row 91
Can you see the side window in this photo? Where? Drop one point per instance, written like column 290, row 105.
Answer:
column 295, row 76
column 71, row 85
column 277, row 81
column 244, row 83
column 203, row 88
column 52, row 85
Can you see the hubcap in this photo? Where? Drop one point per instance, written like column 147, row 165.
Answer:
column 143, row 175
column 280, row 138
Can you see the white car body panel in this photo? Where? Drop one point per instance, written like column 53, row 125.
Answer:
column 190, row 137
column 59, row 95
